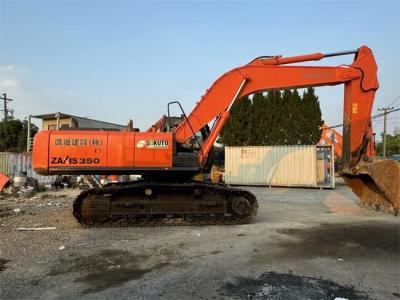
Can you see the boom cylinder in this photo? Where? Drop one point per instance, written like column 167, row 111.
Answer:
column 277, row 60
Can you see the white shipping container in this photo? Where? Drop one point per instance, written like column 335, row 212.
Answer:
column 277, row 166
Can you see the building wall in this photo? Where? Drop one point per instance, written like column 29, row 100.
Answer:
column 5, row 163
column 53, row 123
column 80, row 123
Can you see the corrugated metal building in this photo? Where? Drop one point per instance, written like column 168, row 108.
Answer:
column 12, row 164
column 49, row 122
column 5, row 163
column 305, row 166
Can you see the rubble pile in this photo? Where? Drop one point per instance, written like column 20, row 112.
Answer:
column 30, row 187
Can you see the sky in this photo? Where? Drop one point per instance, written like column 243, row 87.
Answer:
column 121, row 60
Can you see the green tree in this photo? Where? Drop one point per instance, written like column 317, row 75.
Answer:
column 13, row 135
column 259, row 120
column 311, row 118
column 392, row 143
column 236, row 130
column 277, row 118
column 288, row 119
column 277, row 110
column 297, row 118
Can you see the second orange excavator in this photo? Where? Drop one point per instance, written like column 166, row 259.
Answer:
column 167, row 194
column 330, row 136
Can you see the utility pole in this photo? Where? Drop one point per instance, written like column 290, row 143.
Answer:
column 28, row 138
column 385, row 110
column 58, row 115
column 5, row 99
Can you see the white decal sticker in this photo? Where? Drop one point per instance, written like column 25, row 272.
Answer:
column 141, row 144
column 152, row 144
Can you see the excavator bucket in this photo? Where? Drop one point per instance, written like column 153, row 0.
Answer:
column 377, row 184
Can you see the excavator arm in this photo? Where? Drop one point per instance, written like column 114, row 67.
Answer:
column 376, row 183
column 359, row 78
column 158, row 125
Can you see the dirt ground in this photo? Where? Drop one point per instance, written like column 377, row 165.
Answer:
column 304, row 244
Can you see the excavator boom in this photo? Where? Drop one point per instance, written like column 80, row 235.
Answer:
column 359, row 79
column 360, row 84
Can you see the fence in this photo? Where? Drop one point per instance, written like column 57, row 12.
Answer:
column 12, row 164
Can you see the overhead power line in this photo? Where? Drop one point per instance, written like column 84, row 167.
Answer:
column 383, row 114
column 372, row 117
column 385, row 110
column 388, row 119
column 394, row 101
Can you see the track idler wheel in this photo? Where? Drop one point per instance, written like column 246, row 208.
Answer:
column 241, row 206
column 95, row 208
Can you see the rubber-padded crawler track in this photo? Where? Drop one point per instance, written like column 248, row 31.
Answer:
column 113, row 192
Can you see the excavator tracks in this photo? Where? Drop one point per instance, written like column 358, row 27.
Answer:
column 164, row 204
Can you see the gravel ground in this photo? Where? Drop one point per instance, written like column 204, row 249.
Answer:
column 304, row 244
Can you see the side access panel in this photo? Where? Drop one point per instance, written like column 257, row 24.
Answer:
column 78, row 149
column 102, row 152
column 153, row 150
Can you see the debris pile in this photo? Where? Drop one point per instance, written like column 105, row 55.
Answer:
column 28, row 186
column 4, row 181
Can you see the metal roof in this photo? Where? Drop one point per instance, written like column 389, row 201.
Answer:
column 52, row 116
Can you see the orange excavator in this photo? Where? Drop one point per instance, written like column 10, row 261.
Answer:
column 167, row 194
column 330, row 136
